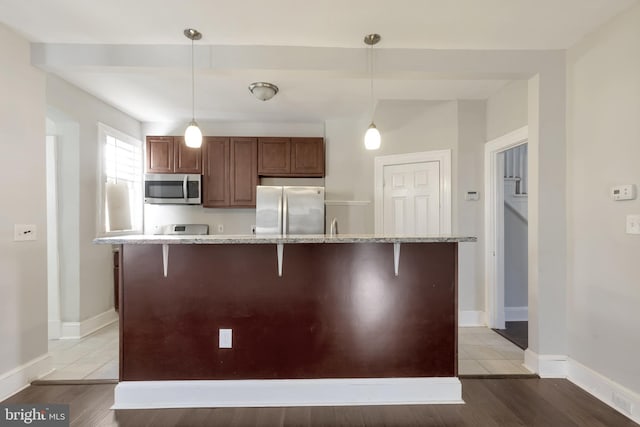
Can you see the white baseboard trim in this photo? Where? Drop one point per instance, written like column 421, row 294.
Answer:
column 263, row 393
column 546, row 365
column 54, row 328
column 471, row 318
column 19, row 378
column 613, row 394
column 72, row 330
column 516, row 314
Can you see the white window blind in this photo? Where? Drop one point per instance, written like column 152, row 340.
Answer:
column 122, row 179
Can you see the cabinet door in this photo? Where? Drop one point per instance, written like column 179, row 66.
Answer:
column 274, row 156
column 215, row 182
column 244, row 171
column 159, row 154
column 307, row 156
column 186, row 159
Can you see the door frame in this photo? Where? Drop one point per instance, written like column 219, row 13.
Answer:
column 494, row 222
column 53, row 248
column 441, row 156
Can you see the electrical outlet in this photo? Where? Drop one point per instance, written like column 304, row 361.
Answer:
column 220, row 228
column 224, row 338
column 23, row 232
column 633, row 224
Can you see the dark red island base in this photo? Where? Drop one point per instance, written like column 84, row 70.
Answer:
column 338, row 318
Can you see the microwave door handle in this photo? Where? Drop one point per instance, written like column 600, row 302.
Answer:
column 185, row 188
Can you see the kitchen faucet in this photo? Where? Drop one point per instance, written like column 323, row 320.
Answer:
column 333, row 231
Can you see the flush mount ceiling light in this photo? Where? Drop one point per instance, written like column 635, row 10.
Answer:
column 263, row 91
column 372, row 136
column 193, row 134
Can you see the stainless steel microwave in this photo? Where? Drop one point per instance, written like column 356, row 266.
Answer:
column 173, row 188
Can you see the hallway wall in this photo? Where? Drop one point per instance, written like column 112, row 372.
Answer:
column 604, row 150
column 23, row 265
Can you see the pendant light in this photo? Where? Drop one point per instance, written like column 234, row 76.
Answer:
column 193, row 134
column 372, row 136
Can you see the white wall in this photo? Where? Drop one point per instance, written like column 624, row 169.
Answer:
column 604, row 150
column 470, row 214
column 23, row 265
column 346, row 161
column 405, row 126
column 507, row 109
column 86, row 269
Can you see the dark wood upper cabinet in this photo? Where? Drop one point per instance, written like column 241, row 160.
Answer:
column 231, row 166
column 243, row 172
column 299, row 157
column 307, row 156
column 160, row 154
column 230, row 169
column 215, row 168
column 274, row 156
column 169, row 154
column 186, row 159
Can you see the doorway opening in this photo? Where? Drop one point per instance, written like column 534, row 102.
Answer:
column 506, row 225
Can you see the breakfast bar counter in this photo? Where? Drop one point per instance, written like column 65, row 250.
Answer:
column 295, row 320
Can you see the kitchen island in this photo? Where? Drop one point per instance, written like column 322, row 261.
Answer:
column 280, row 321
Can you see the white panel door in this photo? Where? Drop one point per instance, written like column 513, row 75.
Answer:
column 412, row 199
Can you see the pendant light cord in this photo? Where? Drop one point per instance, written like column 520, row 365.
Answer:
column 371, row 78
column 193, row 86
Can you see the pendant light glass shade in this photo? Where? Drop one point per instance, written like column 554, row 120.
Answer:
column 372, row 138
column 193, row 135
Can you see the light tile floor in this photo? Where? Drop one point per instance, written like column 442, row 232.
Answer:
column 92, row 357
column 480, row 352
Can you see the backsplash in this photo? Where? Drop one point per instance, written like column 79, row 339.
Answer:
column 232, row 221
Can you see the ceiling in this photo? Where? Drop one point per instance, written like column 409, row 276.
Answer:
column 320, row 91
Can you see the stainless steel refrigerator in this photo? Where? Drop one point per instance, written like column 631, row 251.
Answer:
column 289, row 210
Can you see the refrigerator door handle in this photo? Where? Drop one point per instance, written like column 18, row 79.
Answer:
column 285, row 203
column 280, row 213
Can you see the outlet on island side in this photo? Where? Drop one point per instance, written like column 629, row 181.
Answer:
column 224, row 338
column 220, row 228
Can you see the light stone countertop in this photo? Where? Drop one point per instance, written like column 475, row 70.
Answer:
column 218, row 239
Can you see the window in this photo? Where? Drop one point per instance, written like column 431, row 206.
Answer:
column 121, row 182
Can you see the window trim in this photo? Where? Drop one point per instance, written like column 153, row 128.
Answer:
column 104, row 131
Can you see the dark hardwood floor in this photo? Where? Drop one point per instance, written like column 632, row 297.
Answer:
column 516, row 332
column 489, row 402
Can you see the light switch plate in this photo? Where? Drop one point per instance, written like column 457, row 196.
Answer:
column 633, row 224
column 224, row 338
column 23, row 232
